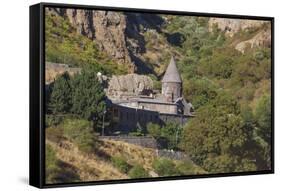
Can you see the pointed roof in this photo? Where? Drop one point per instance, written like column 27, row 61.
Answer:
column 172, row 74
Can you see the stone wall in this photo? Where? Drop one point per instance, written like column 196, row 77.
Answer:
column 174, row 155
column 148, row 142
column 127, row 118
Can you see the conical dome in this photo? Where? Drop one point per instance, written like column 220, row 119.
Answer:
column 172, row 74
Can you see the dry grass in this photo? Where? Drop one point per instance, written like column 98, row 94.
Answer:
column 132, row 153
column 97, row 166
column 89, row 166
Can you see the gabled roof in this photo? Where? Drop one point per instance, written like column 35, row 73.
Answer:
column 172, row 74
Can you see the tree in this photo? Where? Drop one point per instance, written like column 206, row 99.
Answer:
column 60, row 99
column 263, row 130
column 154, row 130
column 263, row 117
column 200, row 91
column 88, row 97
column 216, row 138
column 171, row 132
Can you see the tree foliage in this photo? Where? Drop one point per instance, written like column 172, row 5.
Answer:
column 82, row 95
column 263, row 117
column 170, row 134
column 138, row 172
column 216, row 139
column 165, row 167
column 88, row 97
column 60, row 99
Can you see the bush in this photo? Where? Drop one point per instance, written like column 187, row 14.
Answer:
column 165, row 167
column 120, row 163
column 172, row 133
column 80, row 132
column 187, row 168
column 154, row 130
column 138, row 172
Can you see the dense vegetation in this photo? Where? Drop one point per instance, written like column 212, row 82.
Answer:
column 169, row 135
column 230, row 91
column 81, row 95
column 231, row 95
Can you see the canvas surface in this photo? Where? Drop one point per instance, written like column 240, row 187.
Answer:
column 143, row 95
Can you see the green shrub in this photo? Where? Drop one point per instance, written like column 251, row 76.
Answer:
column 187, row 167
column 120, row 163
column 80, row 132
column 154, row 130
column 138, row 172
column 165, row 167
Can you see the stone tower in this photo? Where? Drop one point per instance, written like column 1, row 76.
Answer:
column 172, row 82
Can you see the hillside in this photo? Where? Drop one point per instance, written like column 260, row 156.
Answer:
column 98, row 165
column 225, row 67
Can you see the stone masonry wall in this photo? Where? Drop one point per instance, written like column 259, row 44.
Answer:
column 148, row 142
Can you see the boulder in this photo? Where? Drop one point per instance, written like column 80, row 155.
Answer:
column 129, row 85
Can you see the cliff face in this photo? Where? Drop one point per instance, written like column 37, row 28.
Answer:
column 262, row 38
column 116, row 33
column 121, row 36
column 232, row 26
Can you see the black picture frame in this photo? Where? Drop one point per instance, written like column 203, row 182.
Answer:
column 37, row 97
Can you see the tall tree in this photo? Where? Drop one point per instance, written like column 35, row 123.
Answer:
column 88, row 97
column 60, row 99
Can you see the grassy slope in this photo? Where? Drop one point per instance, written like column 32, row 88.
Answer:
column 98, row 165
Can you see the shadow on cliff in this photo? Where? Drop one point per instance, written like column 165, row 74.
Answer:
column 137, row 23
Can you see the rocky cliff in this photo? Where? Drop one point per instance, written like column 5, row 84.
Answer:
column 261, row 32
column 232, row 26
column 116, row 33
column 137, row 40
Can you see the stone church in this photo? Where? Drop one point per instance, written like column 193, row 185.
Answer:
column 129, row 110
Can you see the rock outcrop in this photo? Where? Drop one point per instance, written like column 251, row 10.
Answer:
column 262, row 39
column 232, row 26
column 118, row 34
column 129, row 85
